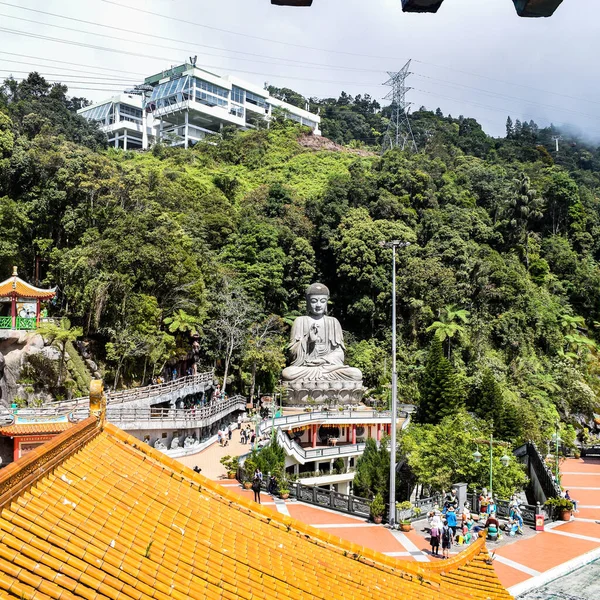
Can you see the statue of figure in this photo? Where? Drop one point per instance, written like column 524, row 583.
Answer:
column 159, row 445
column 317, row 344
column 175, row 443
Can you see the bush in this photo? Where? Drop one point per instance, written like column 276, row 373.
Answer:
column 557, row 505
column 377, row 506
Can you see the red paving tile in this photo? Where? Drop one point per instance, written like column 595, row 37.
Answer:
column 375, row 537
column 588, row 513
column 587, row 480
column 581, row 528
column 580, row 465
column 545, row 550
column 312, row 516
column 509, row 576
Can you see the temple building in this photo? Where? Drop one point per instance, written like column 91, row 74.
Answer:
column 28, row 432
column 95, row 513
column 20, row 303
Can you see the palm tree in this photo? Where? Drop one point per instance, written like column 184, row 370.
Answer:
column 448, row 326
column 60, row 335
column 526, row 206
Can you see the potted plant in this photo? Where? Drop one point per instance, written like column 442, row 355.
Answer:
column 284, row 493
column 231, row 464
column 406, row 509
column 561, row 507
column 377, row 508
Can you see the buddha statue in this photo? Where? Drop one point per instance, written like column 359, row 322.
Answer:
column 317, row 350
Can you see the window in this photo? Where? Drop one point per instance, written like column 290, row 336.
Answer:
column 130, row 113
column 97, row 113
column 238, row 95
column 210, row 94
column 170, row 88
column 237, row 111
column 256, row 100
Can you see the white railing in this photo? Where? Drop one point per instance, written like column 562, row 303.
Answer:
column 156, row 417
column 303, row 455
column 141, row 393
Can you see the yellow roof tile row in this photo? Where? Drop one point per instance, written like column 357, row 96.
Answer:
column 117, row 519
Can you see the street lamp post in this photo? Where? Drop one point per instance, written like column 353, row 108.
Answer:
column 505, row 460
column 392, row 500
column 556, row 439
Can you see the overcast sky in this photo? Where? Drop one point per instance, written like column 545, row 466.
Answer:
column 474, row 57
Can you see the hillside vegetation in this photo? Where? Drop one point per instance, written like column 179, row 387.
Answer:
column 498, row 293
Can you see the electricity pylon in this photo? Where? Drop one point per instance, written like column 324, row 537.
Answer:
column 399, row 133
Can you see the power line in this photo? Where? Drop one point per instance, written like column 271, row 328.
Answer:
column 135, row 32
column 112, row 80
column 163, row 58
column 64, row 62
column 499, row 95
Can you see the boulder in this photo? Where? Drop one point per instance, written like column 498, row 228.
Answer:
column 91, row 364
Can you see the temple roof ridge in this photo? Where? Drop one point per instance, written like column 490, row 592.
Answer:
column 16, row 286
column 97, row 513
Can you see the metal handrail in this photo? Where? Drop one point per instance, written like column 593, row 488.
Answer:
column 149, row 391
column 123, row 414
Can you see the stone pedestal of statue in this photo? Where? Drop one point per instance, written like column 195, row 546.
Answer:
column 323, row 392
column 317, row 368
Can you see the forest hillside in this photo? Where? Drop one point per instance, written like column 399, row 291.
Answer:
column 498, row 293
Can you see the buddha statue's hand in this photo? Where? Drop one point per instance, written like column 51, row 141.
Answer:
column 315, row 362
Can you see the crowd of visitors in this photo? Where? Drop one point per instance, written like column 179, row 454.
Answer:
column 454, row 525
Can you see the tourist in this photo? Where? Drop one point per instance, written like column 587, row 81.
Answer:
column 220, row 437
column 272, row 487
column 242, row 436
column 256, row 488
column 229, row 431
column 447, row 540
column 568, row 497
column 451, row 519
column 435, row 532
column 174, row 374
column 450, row 500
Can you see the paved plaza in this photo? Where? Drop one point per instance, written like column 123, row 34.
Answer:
column 522, row 563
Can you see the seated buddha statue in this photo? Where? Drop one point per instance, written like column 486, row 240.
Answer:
column 317, row 344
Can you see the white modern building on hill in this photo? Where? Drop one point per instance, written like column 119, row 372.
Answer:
column 186, row 104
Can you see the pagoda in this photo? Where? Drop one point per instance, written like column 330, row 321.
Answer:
column 25, row 303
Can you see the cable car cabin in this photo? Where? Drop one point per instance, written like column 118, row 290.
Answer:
column 421, row 6
column 292, row 2
column 536, row 8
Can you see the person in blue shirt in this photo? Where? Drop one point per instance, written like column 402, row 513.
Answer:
column 451, row 519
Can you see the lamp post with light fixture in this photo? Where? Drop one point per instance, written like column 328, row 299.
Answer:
column 392, row 499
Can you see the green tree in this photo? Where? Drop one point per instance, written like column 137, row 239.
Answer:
column 448, row 325
column 440, row 390
column 373, row 470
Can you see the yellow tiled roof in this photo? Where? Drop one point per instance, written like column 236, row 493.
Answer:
column 95, row 513
column 33, row 429
column 15, row 286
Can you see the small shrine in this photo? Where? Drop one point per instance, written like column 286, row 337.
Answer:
column 27, row 432
column 20, row 303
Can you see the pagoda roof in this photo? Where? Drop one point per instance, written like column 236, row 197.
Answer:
column 17, row 430
column 15, row 286
column 95, row 513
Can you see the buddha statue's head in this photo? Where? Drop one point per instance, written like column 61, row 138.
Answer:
column 317, row 296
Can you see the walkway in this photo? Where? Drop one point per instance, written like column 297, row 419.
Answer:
column 520, row 564
column 208, row 459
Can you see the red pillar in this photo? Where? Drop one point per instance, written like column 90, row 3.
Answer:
column 354, row 434
column 37, row 312
column 13, row 311
column 348, row 433
column 314, row 436
column 16, row 448
column 378, row 432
